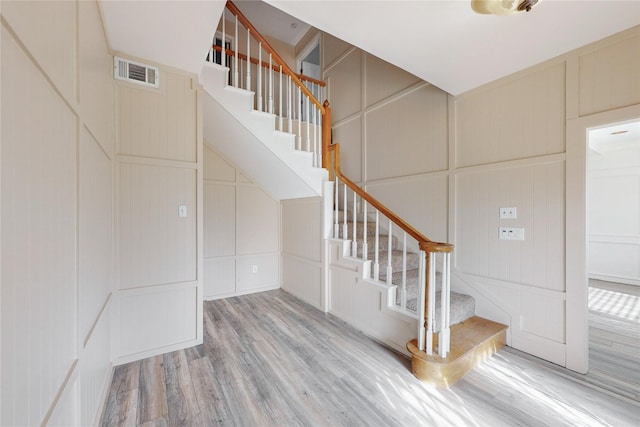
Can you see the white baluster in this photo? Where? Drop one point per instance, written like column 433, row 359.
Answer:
column 235, row 63
column 431, row 306
column 259, row 71
column 212, row 58
column 420, row 302
column 223, row 57
column 289, row 102
column 306, row 100
column 248, row 59
column 336, row 226
column 270, row 84
column 354, row 242
column 376, row 263
column 345, row 229
column 403, row 294
column 319, row 129
column 389, row 254
column 316, row 151
column 280, row 100
column 300, row 120
column 445, row 301
column 365, row 248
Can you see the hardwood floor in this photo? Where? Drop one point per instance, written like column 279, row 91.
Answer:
column 270, row 360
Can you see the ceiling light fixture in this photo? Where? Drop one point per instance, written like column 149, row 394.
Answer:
column 502, row 7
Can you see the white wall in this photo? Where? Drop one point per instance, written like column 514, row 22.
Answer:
column 57, row 213
column 241, row 232
column 448, row 164
column 159, row 168
column 613, row 220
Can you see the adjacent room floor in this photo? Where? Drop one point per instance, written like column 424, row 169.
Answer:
column 271, row 360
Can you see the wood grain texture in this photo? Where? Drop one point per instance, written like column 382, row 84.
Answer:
column 270, row 360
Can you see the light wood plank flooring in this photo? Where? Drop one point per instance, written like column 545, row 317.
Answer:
column 270, row 360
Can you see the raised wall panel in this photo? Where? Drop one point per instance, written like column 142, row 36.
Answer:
column 38, row 232
column 162, row 317
column 518, row 119
column 156, row 246
column 95, row 234
column 219, row 276
column 349, row 135
column 610, row 77
column 95, row 73
column 408, row 135
column 302, row 278
column 256, row 222
column 538, row 193
column 421, row 201
column 48, row 30
column 383, row 79
column 257, row 271
column 301, row 228
column 216, row 168
column 219, row 221
column 345, row 87
column 158, row 123
column 332, row 48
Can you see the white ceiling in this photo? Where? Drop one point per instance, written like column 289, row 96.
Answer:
column 441, row 41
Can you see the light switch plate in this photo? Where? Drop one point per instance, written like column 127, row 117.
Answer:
column 511, row 233
column 508, row 213
column 182, row 211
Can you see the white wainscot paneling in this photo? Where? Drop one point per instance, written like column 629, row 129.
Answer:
column 615, row 259
column 95, row 231
column 95, row 370
column 257, row 221
column 537, row 191
column 67, row 410
column 345, row 88
column 219, row 276
column 301, row 228
column 420, row 201
column 157, row 246
column 258, row 272
column 408, row 135
column 39, row 225
column 302, row 278
column 154, row 320
column 219, row 219
column 349, row 135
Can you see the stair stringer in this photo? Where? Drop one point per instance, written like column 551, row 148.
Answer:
column 249, row 139
column 363, row 303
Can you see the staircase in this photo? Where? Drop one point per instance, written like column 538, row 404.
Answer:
column 250, row 140
column 385, row 276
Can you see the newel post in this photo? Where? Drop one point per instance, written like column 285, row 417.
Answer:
column 326, row 137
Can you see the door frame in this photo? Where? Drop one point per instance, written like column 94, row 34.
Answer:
column 576, row 278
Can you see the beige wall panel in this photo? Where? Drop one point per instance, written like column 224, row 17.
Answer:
column 219, row 276
column 95, row 369
column 158, row 123
column 48, row 30
column 349, row 135
column 95, row 73
column 408, row 135
column 538, row 194
column 256, row 222
column 219, row 219
column 257, row 271
column 38, row 203
column 542, row 315
column 332, row 48
column 151, row 320
column 216, row 168
column 344, row 86
column 156, row 245
column 610, row 77
column 302, row 279
column 519, row 119
column 300, row 228
column 95, row 234
column 383, row 79
column 422, row 202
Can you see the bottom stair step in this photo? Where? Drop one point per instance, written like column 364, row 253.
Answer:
column 472, row 342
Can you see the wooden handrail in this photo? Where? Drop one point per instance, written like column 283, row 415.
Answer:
column 267, row 47
column 424, row 243
column 265, row 64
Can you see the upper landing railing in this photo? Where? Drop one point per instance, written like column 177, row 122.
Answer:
column 294, row 99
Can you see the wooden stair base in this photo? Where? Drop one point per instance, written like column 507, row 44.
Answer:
column 472, row 341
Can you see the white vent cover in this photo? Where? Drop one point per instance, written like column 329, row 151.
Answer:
column 135, row 72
